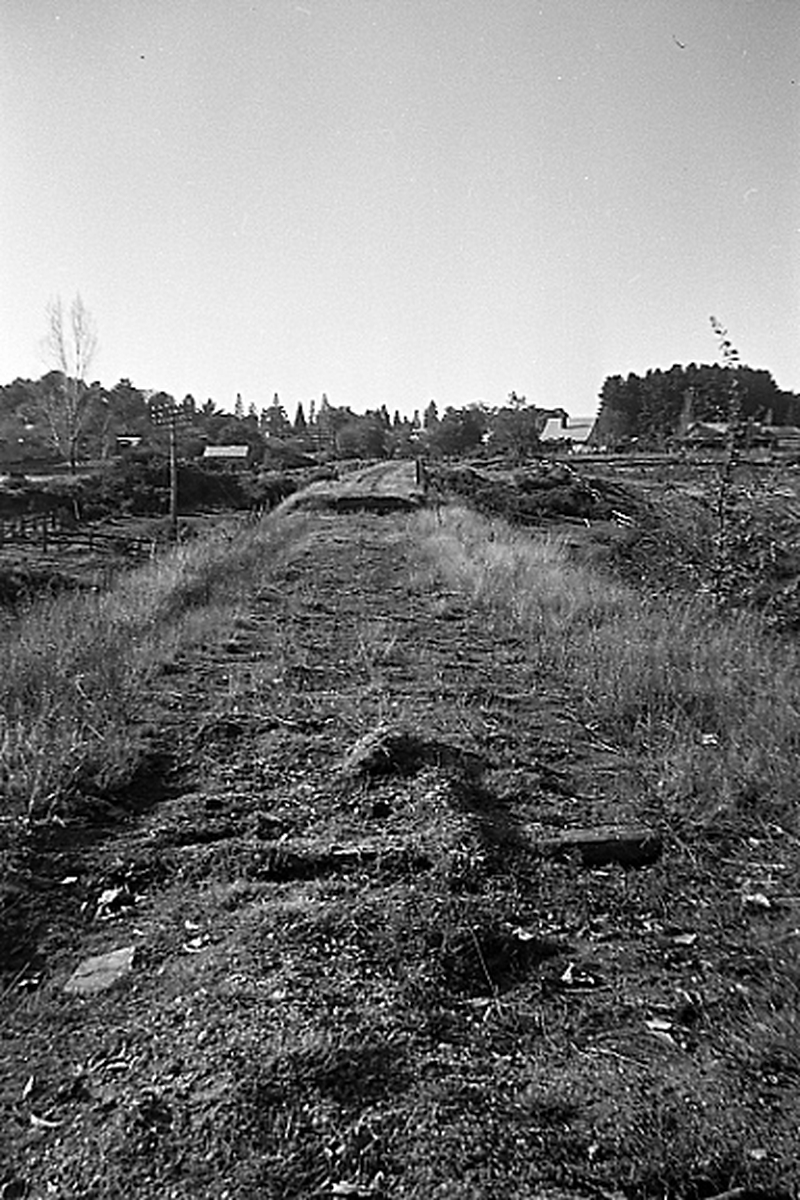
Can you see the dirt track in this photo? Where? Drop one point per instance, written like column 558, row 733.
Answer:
column 351, row 969
column 383, row 487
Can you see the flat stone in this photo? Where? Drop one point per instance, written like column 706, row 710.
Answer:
column 629, row 846
column 100, row 972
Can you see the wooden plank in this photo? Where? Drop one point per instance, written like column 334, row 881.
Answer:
column 635, row 846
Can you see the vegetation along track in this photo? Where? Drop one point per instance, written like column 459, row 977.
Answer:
column 406, row 917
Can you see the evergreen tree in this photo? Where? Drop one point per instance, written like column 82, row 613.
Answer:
column 277, row 423
column 459, row 431
column 430, row 418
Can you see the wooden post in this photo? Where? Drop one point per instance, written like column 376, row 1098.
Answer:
column 166, row 413
column 173, row 482
column 44, row 533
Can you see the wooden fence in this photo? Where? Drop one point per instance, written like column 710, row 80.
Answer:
column 45, row 531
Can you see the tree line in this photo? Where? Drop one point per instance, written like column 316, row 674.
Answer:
column 63, row 415
column 657, row 407
column 40, row 419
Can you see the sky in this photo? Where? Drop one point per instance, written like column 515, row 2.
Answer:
column 393, row 201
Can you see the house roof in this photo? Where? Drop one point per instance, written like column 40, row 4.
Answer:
column 782, row 431
column 580, row 429
column 714, row 430
column 577, row 429
column 553, row 430
column 226, row 451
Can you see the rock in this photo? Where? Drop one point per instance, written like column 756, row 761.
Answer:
column 630, row 847
column 101, row 972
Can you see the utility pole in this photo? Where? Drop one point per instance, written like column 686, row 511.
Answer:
column 165, row 412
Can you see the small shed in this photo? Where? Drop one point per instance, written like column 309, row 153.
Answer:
column 229, row 457
column 128, row 441
column 707, row 434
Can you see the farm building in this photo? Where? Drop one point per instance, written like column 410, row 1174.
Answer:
column 773, row 438
column 229, row 457
column 127, row 441
column 706, row 433
column 570, row 433
column 783, row 437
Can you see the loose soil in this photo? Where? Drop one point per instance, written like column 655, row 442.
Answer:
column 354, row 971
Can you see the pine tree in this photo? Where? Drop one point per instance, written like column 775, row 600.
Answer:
column 277, row 422
column 430, row 418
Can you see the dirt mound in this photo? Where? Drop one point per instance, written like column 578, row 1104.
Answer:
column 538, row 494
column 318, row 501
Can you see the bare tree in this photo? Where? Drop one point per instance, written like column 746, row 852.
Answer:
column 69, row 346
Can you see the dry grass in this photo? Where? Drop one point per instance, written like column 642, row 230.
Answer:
column 710, row 703
column 77, row 668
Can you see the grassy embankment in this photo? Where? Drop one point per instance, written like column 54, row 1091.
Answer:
column 76, row 668
column 708, row 702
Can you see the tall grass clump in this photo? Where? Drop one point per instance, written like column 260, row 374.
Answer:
column 77, row 668
column 708, row 702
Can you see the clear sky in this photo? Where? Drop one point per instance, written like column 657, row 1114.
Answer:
column 396, row 200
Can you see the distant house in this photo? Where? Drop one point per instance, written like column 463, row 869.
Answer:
column 753, row 436
column 567, row 433
column 228, row 457
column 127, row 441
column 707, row 434
column 783, row 437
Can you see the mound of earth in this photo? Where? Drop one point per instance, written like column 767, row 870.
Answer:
column 539, row 493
